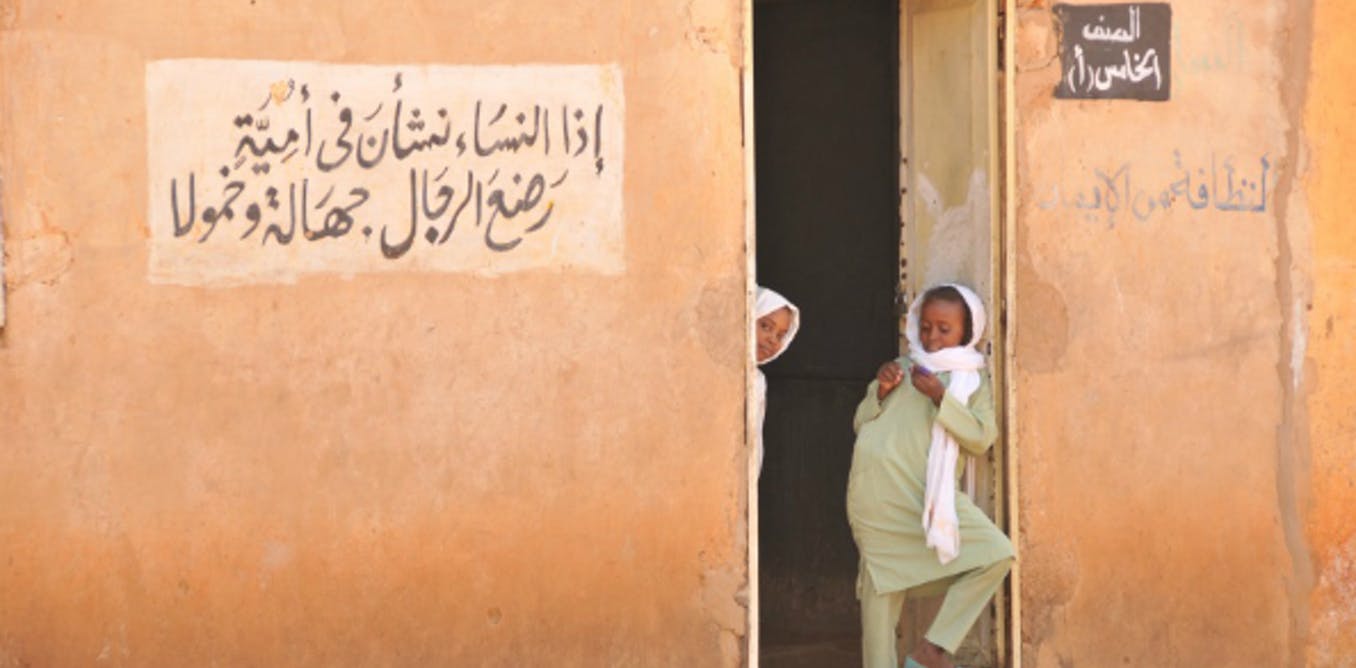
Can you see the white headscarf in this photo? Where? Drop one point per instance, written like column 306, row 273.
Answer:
column 768, row 302
column 940, row 521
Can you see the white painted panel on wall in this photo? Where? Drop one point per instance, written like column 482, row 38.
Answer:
column 263, row 171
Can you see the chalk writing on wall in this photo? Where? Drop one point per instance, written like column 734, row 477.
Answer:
column 1221, row 184
column 1119, row 51
column 264, row 171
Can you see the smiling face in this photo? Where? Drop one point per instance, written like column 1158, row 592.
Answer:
column 941, row 324
column 772, row 329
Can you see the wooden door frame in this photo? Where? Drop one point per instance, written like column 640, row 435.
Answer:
column 752, row 645
column 1007, row 316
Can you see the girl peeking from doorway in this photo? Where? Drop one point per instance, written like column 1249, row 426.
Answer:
column 914, row 531
column 775, row 324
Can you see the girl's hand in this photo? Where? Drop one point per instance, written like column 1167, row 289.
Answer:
column 927, row 383
column 888, row 377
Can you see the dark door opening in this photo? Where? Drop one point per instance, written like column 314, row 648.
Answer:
column 826, row 87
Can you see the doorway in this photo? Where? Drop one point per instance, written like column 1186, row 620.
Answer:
column 876, row 152
column 826, row 96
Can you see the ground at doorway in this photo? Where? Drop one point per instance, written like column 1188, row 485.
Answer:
column 816, row 653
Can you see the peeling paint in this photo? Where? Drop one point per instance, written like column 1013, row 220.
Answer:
column 1038, row 40
column 1044, row 342
column 1293, row 290
column 715, row 26
column 40, row 259
column 721, row 599
column 955, row 229
column 715, row 313
column 1299, row 343
column 1336, row 622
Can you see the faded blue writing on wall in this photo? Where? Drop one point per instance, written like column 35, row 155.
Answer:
column 1222, row 184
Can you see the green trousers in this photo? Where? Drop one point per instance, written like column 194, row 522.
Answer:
column 966, row 596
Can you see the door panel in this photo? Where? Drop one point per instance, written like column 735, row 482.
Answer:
column 949, row 165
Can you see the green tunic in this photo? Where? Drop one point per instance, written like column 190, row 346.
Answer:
column 885, row 485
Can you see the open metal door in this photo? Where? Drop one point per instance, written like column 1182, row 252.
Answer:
column 950, row 178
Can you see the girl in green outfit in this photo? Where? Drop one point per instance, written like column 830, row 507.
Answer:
column 912, row 527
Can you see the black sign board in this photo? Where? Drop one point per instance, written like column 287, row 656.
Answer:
column 1121, row 51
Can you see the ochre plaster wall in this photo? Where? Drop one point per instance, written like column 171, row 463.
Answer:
column 1330, row 364
column 542, row 468
column 1185, row 382
column 1160, row 354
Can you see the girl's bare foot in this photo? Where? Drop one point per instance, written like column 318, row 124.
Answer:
column 932, row 656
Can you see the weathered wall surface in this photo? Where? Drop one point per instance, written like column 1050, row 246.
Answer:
column 1183, row 376
column 1330, row 362
column 406, row 468
column 1158, row 465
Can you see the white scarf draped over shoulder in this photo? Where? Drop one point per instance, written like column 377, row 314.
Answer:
column 964, row 362
column 769, row 301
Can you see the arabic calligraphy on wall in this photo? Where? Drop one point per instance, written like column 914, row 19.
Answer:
column 1121, row 51
column 1220, row 183
column 264, row 171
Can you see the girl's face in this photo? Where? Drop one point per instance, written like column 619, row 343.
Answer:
column 772, row 329
column 941, row 324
